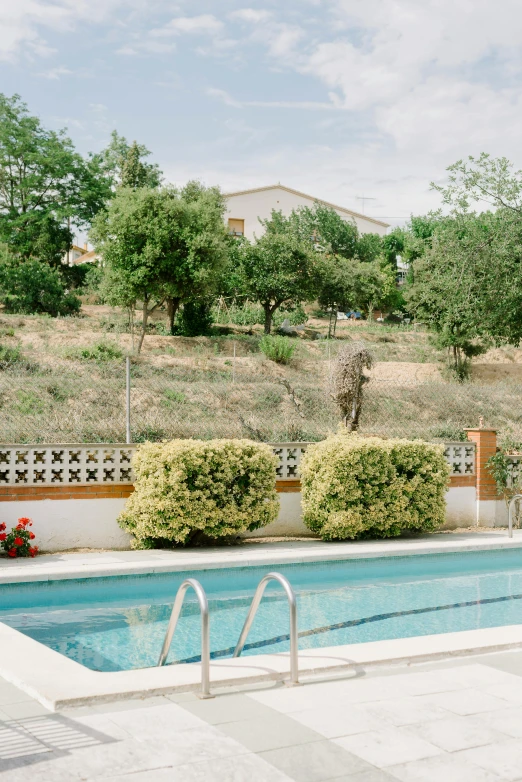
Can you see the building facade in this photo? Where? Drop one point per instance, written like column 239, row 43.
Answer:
column 246, row 207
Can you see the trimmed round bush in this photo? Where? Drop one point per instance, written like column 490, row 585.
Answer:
column 187, row 491
column 367, row 487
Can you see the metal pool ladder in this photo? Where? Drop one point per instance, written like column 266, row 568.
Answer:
column 290, row 594
column 512, row 502
column 205, row 639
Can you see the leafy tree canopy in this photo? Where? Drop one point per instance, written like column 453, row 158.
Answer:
column 482, row 179
column 468, row 285
column 33, row 287
column 281, row 268
column 125, row 164
column 161, row 245
column 45, row 186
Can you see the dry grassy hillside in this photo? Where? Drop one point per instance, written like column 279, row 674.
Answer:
column 64, row 380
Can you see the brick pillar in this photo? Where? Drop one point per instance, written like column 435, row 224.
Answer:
column 486, row 444
column 487, row 495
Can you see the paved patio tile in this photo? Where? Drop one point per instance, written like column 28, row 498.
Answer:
column 151, row 721
column 24, row 709
column 11, row 694
column 246, row 768
column 507, row 721
column 371, row 775
column 503, row 759
column 341, row 720
column 444, row 768
column 276, row 731
column 227, row 708
column 456, row 733
column 408, row 710
column 511, row 692
column 388, row 747
column 315, row 762
column 467, row 701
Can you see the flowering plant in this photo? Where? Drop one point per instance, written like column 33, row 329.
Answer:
column 17, row 543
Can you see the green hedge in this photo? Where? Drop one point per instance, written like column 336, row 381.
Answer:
column 189, row 491
column 362, row 487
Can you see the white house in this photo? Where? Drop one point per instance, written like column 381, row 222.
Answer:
column 246, row 207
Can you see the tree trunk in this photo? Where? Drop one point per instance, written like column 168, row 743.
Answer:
column 268, row 318
column 144, row 319
column 172, row 309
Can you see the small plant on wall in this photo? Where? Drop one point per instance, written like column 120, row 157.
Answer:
column 508, row 480
column 18, row 542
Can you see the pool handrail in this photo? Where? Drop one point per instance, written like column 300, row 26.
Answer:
column 513, row 500
column 205, row 633
column 290, row 594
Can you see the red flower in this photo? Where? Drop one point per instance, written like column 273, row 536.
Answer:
column 19, row 526
column 32, row 536
column 33, row 551
column 18, row 542
column 24, row 520
column 3, row 536
column 12, row 552
column 2, row 527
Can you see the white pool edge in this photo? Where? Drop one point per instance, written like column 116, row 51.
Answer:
column 58, row 682
column 78, row 566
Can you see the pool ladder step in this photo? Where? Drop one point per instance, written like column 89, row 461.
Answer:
column 205, row 626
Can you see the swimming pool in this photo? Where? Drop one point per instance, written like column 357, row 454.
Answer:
column 118, row 623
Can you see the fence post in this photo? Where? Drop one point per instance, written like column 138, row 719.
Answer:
column 127, row 401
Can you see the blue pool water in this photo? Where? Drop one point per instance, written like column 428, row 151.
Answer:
column 118, row 623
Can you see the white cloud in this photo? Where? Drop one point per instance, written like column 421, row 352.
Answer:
column 250, row 15
column 206, row 24
column 25, row 23
column 55, row 73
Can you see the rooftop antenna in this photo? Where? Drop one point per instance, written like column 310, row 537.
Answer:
column 364, row 198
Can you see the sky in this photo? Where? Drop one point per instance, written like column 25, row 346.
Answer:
column 341, row 99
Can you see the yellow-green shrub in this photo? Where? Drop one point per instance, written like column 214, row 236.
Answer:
column 189, row 489
column 361, row 487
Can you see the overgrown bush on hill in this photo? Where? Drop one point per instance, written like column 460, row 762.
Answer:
column 363, row 487
column 32, row 287
column 187, row 491
column 277, row 348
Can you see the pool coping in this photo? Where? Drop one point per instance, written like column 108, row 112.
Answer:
column 58, row 682
column 122, row 563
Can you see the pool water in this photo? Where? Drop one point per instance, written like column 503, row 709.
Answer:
column 118, row 623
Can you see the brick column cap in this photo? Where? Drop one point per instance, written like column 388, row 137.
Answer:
column 480, row 430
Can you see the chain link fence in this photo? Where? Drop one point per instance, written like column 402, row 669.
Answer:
column 219, row 396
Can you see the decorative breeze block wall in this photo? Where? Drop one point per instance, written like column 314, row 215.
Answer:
column 40, row 465
column 44, row 465
column 461, row 458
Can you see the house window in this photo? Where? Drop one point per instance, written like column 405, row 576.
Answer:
column 236, row 227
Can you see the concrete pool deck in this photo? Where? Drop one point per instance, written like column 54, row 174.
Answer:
column 451, row 721
column 246, row 554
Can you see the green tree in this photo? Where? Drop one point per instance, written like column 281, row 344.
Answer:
column 369, row 247
column 322, row 226
column 125, row 164
column 160, row 245
column 45, row 186
column 393, row 247
column 350, row 284
column 468, row 285
column 33, row 287
column 280, row 268
column 482, row 179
